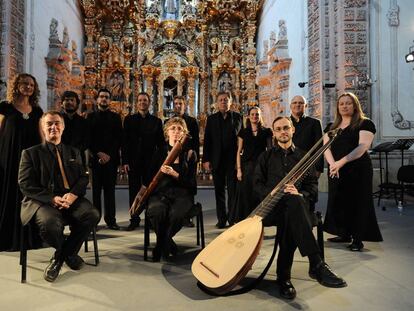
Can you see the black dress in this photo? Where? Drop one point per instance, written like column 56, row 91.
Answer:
column 253, row 146
column 16, row 134
column 350, row 210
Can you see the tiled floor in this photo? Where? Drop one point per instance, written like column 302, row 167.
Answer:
column 379, row 278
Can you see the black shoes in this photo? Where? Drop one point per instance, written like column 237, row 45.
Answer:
column 286, row 289
column 340, row 239
column 325, row 276
column 74, row 262
column 52, row 270
column 133, row 225
column 356, row 246
column 221, row 225
column 113, row 226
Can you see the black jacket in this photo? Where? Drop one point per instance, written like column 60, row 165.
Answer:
column 307, row 132
column 213, row 148
column 105, row 135
column 274, row 164
column 76, row 133
column 142, row 137
column 36, row 170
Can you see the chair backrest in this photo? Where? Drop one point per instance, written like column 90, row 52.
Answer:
column 406, row 174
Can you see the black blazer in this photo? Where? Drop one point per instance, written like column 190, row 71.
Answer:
column 212, row 148
column 35, row 179
column 105, row 135
column 142, row 137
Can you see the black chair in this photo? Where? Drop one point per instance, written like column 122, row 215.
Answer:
column 405, row 176
column 196, row 211
column 23, row 251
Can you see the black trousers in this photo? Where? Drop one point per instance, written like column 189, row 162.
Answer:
column 136, row 178
column 81, row 217
column 291, row 215
column 167, row 212
column 104, row 178
column 224, row 175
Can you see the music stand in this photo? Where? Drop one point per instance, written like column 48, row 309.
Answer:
column 400, row 144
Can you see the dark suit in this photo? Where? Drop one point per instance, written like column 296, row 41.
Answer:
column 38, row 181
column 106, row 136
column 220, row 147
column 76, row 133
column 142, row 137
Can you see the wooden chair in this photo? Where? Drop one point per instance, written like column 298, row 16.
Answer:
column 196, row 211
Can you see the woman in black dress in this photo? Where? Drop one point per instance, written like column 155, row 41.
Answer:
column 350, row 213
column 19, row 129
column 251, row 142
column 172, row 199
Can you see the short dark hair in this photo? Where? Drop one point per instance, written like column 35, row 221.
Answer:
column 103, row 90
column 144, row 94
column 52, row 113
column 67, row 94
column 280, row 118
column 228, row 94
column 179, row 97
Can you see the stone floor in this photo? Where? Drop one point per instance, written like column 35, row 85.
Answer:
column 379, row 278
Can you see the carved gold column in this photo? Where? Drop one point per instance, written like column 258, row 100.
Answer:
column 192, row 73
column 160, row 83
column 214, row 80
column 251, row 64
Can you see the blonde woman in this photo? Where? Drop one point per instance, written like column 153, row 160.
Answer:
column 172, row 199
column 350, row 213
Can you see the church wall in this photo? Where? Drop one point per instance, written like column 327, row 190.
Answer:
column 294, row 12
column 39, row 16
column 393, row 92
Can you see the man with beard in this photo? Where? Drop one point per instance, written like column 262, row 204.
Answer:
column 142, row 137
column 76, row 132
column 291, row 214
column 106, row 135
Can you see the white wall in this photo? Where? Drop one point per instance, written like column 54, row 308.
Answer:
column 294, row 12
column 385, row 67
column 39, row 14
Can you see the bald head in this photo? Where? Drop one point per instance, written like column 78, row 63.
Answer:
column 298, row 106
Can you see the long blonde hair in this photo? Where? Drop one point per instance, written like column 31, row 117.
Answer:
column 358, row 115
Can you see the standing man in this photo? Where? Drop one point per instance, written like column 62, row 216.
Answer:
column 142, row 138
column 76, row 132
column 291, row 214
column 307, row 132
column 219, row 153
column 106, row 135
column 180, row 110
column 53, row 181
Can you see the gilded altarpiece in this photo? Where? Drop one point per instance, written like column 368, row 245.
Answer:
column 168, row 48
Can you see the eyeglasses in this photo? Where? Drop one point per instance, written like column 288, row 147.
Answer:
column 283, row 128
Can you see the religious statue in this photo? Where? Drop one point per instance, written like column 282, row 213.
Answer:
column 116, row 85
column 282, row 30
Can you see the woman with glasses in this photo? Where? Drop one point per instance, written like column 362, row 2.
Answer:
column 350, row 213
column 172, row 199
column 19, row 129
column 252, row 140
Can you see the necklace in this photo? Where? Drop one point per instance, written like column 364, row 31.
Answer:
column 25, row 116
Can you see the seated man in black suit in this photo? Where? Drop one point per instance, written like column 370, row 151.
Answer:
column 53, row 181
column 291, row 212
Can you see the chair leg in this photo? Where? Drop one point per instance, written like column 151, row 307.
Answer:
column 319, row 232
column 95, row 246
column 23, row 255
column 86, row 245
column 146, row 237
column 198, row 229
column 200, row 216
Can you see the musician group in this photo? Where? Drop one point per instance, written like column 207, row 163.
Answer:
column 246, row 160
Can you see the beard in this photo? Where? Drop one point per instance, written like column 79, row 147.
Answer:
column 70, row 110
